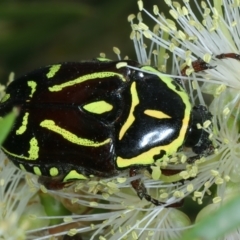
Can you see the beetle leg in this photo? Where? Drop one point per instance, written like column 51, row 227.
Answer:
column 140, row 188
column 55, row 183
column 142, row 191
column 198, row 66
column 137, row 184
column 228, row 55
column 205, row 153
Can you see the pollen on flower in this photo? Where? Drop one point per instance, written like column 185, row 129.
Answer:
column 174, row 14
column 173, row 159
column 220, row 89
column 217, row 199
column 93, row 204
column 197, row 194
column 227, row 178
column 214, row 173
column 79, row 186
column 155, row 10
column 43, row 189
column 121, row 179
column 226, row 141
column 105, row 195
column 219, row 181
column 189, row 71
column 93, row 187
column 134, row 235
column 2, row 182
column 172, row 47
column 208, row 192
column 226, row 111
column 216, row 151
column 192, row 170
column 131, row 207
column 140, row 5
column 210, row 137
column 190, row 187
column 207, row 184
column 147, row 34
column 74, row 200
column 207, row 57
column 131, row 17
column 102, row 238
column 183, row 158
column 112, row 190
column 178, row 194
column 102, row 55
column 67, row 219
column 184, row 174
column 112, row 185
column 194, row 85
column 164, row 195
column 72, row 232
column 117, row 52
column 142, row 26
column 156, row 172
column 206, row 124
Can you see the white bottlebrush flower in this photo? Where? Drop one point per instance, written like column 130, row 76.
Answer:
column 109, row 209
column 187, row 38
column 16, row 200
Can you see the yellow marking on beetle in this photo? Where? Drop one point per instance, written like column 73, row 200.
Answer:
column 53, row 70
column 53, row 171
column 37, row 171
column 33, row 86
column 5, row 97
column 23, row 127
column 146, row 158
column 71, row 137
column 33, row 151
column 183, row 95
column 73, row 175
column 131, row 118
column 156, row 114
column 84, row 78
column 98, row 107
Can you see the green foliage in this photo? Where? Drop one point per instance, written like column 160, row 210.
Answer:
column 53, row 207
column 223, row 221
column 5, row 125
column 38, row 33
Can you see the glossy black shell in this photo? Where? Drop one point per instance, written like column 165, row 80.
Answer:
column 57, row 150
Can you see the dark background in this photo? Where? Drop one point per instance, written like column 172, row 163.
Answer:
column 42, row 32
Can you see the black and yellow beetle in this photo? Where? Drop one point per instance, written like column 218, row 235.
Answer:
column 99, row 117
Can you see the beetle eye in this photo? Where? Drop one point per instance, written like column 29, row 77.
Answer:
column 98, row 107
column 156, row 114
